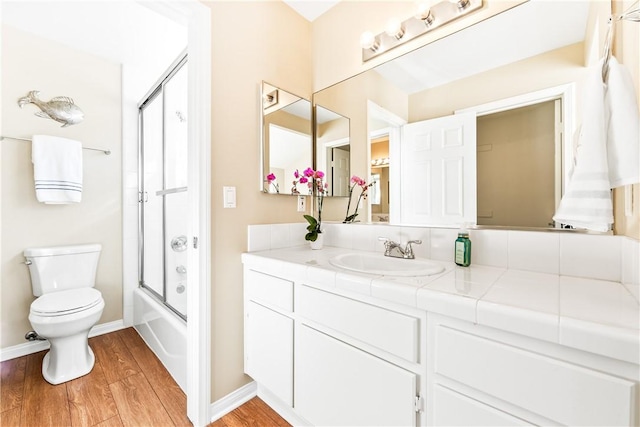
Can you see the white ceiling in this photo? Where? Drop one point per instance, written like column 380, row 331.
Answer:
column 125, row 32
column 311, row 9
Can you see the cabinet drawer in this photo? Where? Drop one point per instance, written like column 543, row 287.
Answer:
column 451, row 408
column 269, row 290
column 385, row 329
column 557, row 390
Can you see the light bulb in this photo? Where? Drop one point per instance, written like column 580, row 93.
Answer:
column 369, row 41
column 394, row 29
column 424, row 13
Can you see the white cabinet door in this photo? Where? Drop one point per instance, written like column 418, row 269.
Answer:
column 438, row 171
column 340, row 385
column 269, row 350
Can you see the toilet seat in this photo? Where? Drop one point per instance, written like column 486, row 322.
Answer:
column 66, row 302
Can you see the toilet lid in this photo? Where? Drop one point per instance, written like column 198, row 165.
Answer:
column 66, row 302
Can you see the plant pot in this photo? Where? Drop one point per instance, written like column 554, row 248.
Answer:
column 319, row 243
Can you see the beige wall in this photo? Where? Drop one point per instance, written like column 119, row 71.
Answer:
column 513, row 192
column 32, row 63
column 554, row 68
column 251, row 42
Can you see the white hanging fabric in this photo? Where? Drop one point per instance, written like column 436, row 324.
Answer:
column 587, row 201
column 623, row 126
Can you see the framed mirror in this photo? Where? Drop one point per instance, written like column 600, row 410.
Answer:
column 333, row 150
column 512, row 77
column 287, row 143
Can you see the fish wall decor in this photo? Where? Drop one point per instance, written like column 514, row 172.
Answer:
column 62, row 109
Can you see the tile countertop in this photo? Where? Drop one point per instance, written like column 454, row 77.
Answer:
column 597, row 316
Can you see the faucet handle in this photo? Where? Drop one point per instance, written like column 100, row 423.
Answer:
column 387, row 241
column 408, row 250
column 387, row 245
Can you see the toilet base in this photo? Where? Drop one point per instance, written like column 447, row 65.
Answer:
column 69, row 358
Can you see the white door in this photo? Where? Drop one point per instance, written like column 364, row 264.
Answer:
column 340, row 168
column 438, row 171
column 337, row 384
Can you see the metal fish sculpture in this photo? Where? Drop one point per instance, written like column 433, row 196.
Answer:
column 62, row 109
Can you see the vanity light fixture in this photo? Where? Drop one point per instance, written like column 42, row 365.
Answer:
column 380, row 162
column 270, row 99
column 430, row 15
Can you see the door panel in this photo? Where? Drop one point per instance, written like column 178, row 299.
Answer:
column 438, row 171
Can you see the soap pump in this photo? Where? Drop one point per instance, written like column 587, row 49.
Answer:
column 462, row 246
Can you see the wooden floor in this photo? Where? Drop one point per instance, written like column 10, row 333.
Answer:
column 254, row 413
column 128, row 386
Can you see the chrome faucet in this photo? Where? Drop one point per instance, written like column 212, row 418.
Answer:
column 406, row 253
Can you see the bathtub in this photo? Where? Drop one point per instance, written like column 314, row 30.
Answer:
column 164, row 332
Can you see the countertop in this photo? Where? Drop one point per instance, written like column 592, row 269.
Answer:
column 597, row 316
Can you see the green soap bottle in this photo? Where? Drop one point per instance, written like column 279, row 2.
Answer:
column 463, row 248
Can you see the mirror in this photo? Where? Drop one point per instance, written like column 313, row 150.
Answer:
column 333, row 150
column 286, row 139
column 504, row 63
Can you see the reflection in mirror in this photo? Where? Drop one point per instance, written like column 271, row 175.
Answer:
column 379, row 192
column 333, row 150
column 286, row 140
column 494, row 71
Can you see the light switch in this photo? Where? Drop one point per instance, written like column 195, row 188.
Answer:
column 229, row 195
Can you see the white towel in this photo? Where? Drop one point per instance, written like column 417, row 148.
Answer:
column 586, row 202
column 57, row 169
column 623, row 136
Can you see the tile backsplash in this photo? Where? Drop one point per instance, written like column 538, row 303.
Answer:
column 604, row 257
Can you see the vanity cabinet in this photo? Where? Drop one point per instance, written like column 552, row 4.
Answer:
column 324, row 355
column 268, row 333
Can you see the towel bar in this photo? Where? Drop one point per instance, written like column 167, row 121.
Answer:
column 107, row 152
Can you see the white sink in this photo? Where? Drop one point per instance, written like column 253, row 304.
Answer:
column 386, row 266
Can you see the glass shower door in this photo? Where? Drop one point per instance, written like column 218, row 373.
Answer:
column 163, row 201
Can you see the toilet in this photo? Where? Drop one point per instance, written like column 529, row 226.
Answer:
column 67, row 307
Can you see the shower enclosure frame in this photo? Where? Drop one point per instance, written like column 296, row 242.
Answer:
column 156, row 91
column 197, row 18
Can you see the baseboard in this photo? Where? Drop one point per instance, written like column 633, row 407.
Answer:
column 231, row 401
column 284, row 410
column 31, row 347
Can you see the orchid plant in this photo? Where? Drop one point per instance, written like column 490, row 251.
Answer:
column 356, row 181
column 318, row 188
column 271, row 180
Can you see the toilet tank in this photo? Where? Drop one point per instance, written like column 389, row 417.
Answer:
column 58, row 268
